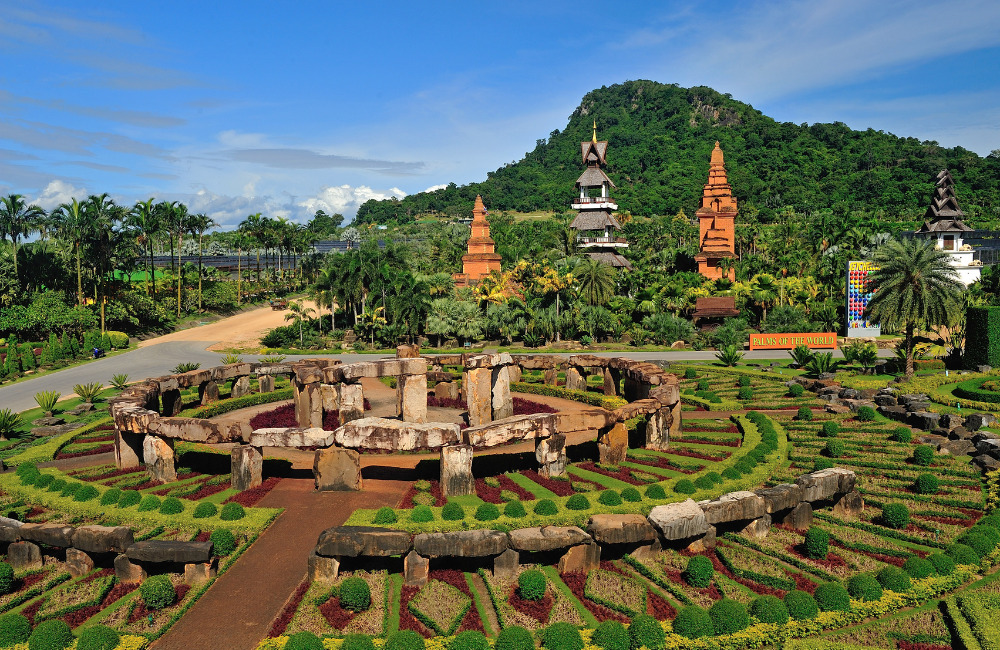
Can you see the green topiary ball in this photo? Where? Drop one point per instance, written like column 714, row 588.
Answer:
column 801, row 605
column 993, row 521
column 943, row 564
column 699, row 572
column 610, row 498
column 894, row 579
column 452, row 512
column 631, row 495
column 864, row 587
column 205, row 509
column 357, row 642
column 692, row 622
column 171, row 506
column 97, row 637
column 895, row 516
column 6, row 578
column 149, row 503
column 223, row 542
column 14, row 629
column 830, row 429
column 355, row 594
column 469, row 640
column 743, row 381
column 52, row 634
column 835, row 449
column 817, row 543
column 410, row 640
column 157, row 592
column 685, row 486
column 578, row 502
column 902, row 434
column 729, row 616
column 70, row 488
column 562, row 636
column 86, row 493
column 610, row 635
column 926, row 483
column 111, row 496
column 962, row 554
column 822, row 463
column 832, row 597
column 731, row 474
column 232, row 512
column 514, row 510
column 702, row 384
column 989, row 531
column 796, row 390
column 303, row 641
column 646, row 631
column 977, row 542
column 487, row 512
column 531, row 585
column 129, row 498
column 421, row 514
column 689, row 373
column 919, row 567
column 43, row 481
column 865, row 414
column 384, row 516
column 745, row 393
column 513, row 637
column 923, row 455
column 804, row 413
column 546, row 507
column 57, row 485
column 703, row 483
column 656, row 491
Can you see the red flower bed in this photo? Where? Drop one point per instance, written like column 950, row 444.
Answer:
column 910, row 645
column 435, row 491
column 623, row 473
column 524, row 406
column 487, row 493
column 802, row 583
column 832, row 559
column 407, row 621
column 536, row 609
column 80, row 616
column 445, row 402
column 103, row 449
column 576, row 581
column 522, row 494
column 717, row 443
column 695, row 454
column 659, row 608
column 203, row 536
column 284, row 416
column 140, row 611
column 457, row 580
column 288, row 611
column 114, row 473
column 664, row 463
column 109, row 438
column 336, row 615
column 756, row 587
column 951, row 521
column 206, row 491
column 561, row 488
column 249, row 498
column 32, row 609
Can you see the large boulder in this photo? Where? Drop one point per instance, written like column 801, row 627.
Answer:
column 159, row 550
column 354, row 541
column 825, row 484
column 336, row 469
column 8, row 529
column 49, row 534
column 925, row 420
column 547, row 538
column 676, row 521
column 781, row 497
column 734, row 506
column 103, row 539
column 620, row 529
column 464, row 543
column 518, row 427
column 977, row 421
column 394, row 435
column 291, row 437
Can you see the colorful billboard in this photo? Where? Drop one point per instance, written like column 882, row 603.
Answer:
column 859, row 292
column 813, row 340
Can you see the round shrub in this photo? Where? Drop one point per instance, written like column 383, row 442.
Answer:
column 205, row 509
column 943, row 564
column 646, row 631
column 902, row 434
column 801, row 605
column 796, row 390
column 129, row 498
column 149, row 502
column 52, row 634
column 989, row 532
column 546, row 507
column 609, row 635
column 86, row 493
column 832, row 597
column 961, row 554
column 817, row 543
column 27, row 471
column 57, row 485
column 656, row 491
column 514, row 637
column 531, row 584
column 926, row 483
column 514, row 510
column 304, row 640
column 689, row 373
column 731, row 474
column 699, row 571
column 769, row 609
column 685, row 486
column 894, row 579
column 714, row 476
column 355, row 595
column 410, row 640
column 610, row 498
column 631, row 495
column 70, row 488
column 232, row 512
column 421, row 514
column 171, row 506
column 562, row 636
column 729, row 616
column 865, row 414
column 487, row 512
column 895, row 515
column 830, row 429
column 744, row 393
column 702, row 384
column 357, row 642
column 578, row 502
column 864, row 587
column 822, row 463
column 157, row 592
column 977, row 542
column 743, row 381
column 993, row 521
column 834, row 448
column 385, row 516
column 14, row 629
column 6, row 578
column 692, row 622
column 452, row 512
column 804, row 413
column 703, row 483
column 97, row 637
column 111, row 496
column 223, row 542
column 469, row 640
column 923, row 455
column 919, row 567
column 42, row 481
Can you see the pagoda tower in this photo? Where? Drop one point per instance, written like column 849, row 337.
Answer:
column 597, row 229
column 481, row 258
column 716, row 221
column 945, row 226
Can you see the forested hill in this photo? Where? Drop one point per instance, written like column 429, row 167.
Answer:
column 660, row 138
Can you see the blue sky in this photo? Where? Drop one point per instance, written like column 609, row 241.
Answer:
column 285, row 108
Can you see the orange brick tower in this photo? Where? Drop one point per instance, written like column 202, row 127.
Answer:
column 716, row 221
column 482, row 257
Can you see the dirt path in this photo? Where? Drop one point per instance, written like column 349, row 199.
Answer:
column 237, row 611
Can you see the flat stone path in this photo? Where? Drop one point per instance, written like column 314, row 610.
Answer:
column 237, row 611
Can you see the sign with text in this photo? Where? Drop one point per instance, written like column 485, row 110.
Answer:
column 814, row 340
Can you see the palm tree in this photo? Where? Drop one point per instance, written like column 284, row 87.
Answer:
column 254, row 226
column 18, row 219
column 73, row 224
column 199, row 223
column 764, row 290
column 299, row 313
column 597, row 281
column 178, row 223
column 915, row 286
column 146, row 218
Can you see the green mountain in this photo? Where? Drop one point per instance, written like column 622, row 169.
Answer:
column 660, row 137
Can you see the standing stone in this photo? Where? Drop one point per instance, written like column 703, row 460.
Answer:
column 674, row 428
column 323, row 569
column 241, row 387
column 308, row 405
column 550, row 377
column 446, row 390
column 337, row 469
column 456, row 470
column 582, row 558
column 158, row 454
column 758, row 528
column 200, row 572
column 506, row 564
column 266, row 383
column 850, row 505
column 551, row 455
column 128, row 449
column 247, row 467
column 411, row 397
column 800, row 517
column 78, row 563
column 24, row 555
column 408, row 351
column 331, row 398
column 128, row 571
column 704, row 543
column 613, row 444
column 658, row 429
column 574, row 380
column 208, row 392
column 172, row 402
column 503, row 403
column 514, row 372
column 416, row 568
column 479, row 395
column 610, row 386
column 352, row 403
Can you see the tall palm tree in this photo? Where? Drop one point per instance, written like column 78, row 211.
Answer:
column 325, row 293
column 146, row 219
column 299, row 313
column 597, row 281
column 764, row 289
column 74, row 224
column 199, row 223
column 18, row 219
column 254, row 226
column 179, row 223
column 915, row 286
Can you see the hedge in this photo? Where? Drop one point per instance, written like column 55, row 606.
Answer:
column 982, row 336
column 971, row 389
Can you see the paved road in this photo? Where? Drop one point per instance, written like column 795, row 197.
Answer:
column 158, row 359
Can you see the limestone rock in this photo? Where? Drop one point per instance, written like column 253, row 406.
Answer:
column 582, row 558
column 351, row 398
column 128, row 571
column 48, row 534
column 266, row 383
column 551, row 455
column 241, row 387
column 199, row 573
column 501, row 402
column 189, row 429
column 158, row 550
column 208, row 392
column 246, row 467
column 950, row 420
column 292, row 437
column 464, row 543
column 158, row 454
column 415, row 569
column 849, row 505
column 704, row 543
column 308, row 405
column 321, row 568
column 368, row 541
column 781, row 497
column 103, row 539
column 518, row 427
column 411, row 396
column 506, row 564
column 612, row 445
column 547, row 538
column 172, row 402
column 800, row 517
column 620, row 529
column 758, row 528
column 78, row 563
column 924, row 420
column 8, row 529
column 24, row 555
column 676, row 521
column 574, row 380
column 734, row 506
column 977, row 421
column 826, row 483
column 337, row 469
column 128, row 449
column 393, row 435
column 446, row 390
column 456, row 470
column 479, row 395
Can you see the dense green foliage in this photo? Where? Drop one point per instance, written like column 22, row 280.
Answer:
column 801, row 605
column 646, row 632
column 355, row 594
column 699, row 571
column 609, row 635
column 14, row 628
column 982, row 335
column 729, row 616
column 157, row 592
column 410, row 640
column 832, row 597
column 304, row 640
column 512, row 637
column 98, row 637
column 692, row 622
column 817, row 542
column 531, row 584
column 52, row 634
column 223, row 542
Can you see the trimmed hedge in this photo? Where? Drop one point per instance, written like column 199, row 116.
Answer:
column 982, row 336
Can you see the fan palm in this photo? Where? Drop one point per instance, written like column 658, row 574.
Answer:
column 299, row 313
column 764, row 289
column 915, row 286
column 597, row 281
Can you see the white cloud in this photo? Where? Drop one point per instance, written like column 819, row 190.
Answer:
column 346, row 199
column 434, row 188
column 56, row 193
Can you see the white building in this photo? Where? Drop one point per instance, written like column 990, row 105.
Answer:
column 944, row 224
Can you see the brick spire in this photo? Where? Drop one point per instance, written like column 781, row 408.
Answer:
column 716, row 219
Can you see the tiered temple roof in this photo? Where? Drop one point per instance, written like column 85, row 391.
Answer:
column 481, row 258
column 943, row 214
column 716, row 220
column 595, row 223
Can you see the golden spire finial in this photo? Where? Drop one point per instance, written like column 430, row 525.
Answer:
column 595, row 132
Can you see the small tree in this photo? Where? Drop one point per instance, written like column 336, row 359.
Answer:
column 299, row 314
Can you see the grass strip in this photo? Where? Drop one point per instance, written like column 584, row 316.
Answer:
column 529, row 485
column 553, row 575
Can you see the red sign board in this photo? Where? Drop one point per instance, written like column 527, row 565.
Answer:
column 813, row 340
